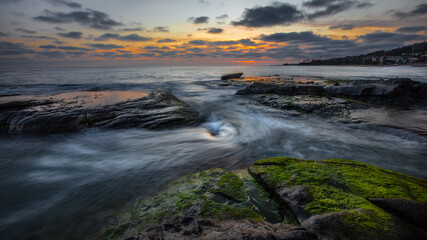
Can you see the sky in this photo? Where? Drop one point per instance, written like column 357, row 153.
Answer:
column 62, row 33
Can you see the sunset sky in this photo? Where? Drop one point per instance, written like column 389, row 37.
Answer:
column 201, row 32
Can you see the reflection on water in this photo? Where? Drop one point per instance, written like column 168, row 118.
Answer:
column 70, row 176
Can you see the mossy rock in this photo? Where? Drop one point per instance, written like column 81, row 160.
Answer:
column 215, row 194
column 331, row 197
column 230, row 186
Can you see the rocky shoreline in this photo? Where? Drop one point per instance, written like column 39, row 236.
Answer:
column 415, row 54
column 323, row 199
column 377, row 102
column 77, row 111
column 277, row 198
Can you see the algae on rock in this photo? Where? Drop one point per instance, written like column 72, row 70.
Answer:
column 331, row 197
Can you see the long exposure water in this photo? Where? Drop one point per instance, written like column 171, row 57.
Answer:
column 66, row 177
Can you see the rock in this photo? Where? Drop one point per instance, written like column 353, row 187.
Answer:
column 323, row 106
column 296, row 198
column 153, row 111
column 231, row 76
column 329, row 197
column 393, row 92
column 412, row 211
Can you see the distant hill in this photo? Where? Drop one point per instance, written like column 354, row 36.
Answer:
column 411, row 54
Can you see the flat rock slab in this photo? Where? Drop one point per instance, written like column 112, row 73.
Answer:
column 322, row 106
column 75, row 111
column 392, row 92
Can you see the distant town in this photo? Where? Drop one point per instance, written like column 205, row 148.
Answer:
column 415, row 54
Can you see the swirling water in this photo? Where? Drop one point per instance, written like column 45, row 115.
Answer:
column 67, row 177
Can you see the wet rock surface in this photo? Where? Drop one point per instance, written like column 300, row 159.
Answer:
column 231, row 76
column 331, row 199
column 398, row 92
column 322, row 106
column 82, row 110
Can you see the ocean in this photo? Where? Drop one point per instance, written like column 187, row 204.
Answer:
column 52, row 184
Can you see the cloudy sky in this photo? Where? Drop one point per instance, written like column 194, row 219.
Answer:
column 201, row 32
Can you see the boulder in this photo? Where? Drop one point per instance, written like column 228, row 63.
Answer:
column 330, row 197
column 231, row 76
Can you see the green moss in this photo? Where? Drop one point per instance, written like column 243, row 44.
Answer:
column 196, row 191
column 333, row 81
column 232, row 187
column 114, row 233
column 224, row 211
column 358, row 178
column 338, row 185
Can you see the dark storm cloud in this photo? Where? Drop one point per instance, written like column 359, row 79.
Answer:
column 37, row 37
column 215, row 30
column 146, row 54
column 389, row 37
column 222, row 17
column 131, row 29
column 134, row 38
column 123, row 51
column 59, row 29
column 25, row 30
column 198, row 42
column 73, row 35
column 411, row 29
column 76, row 54
column 161, row 29
column 247, row 42
column 150, row 47
column 318, row 3
column 294, row 37
column 129, row 38
column 199, row 20
column 331, row 9
column 9, row 48
column 419, row 10
column 343, row 27
column 104, row 46
column 166, row 40
column 3, row 34
column 364, row 5
column 66, row 3
column 91, row 18
column 275, row 14
column 107, row 36
column 307, row 38
column 48, row 46
column 71, row 48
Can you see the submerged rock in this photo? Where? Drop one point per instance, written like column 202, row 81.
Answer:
column 332, row 199
column 71, row 112
column 231, row 76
